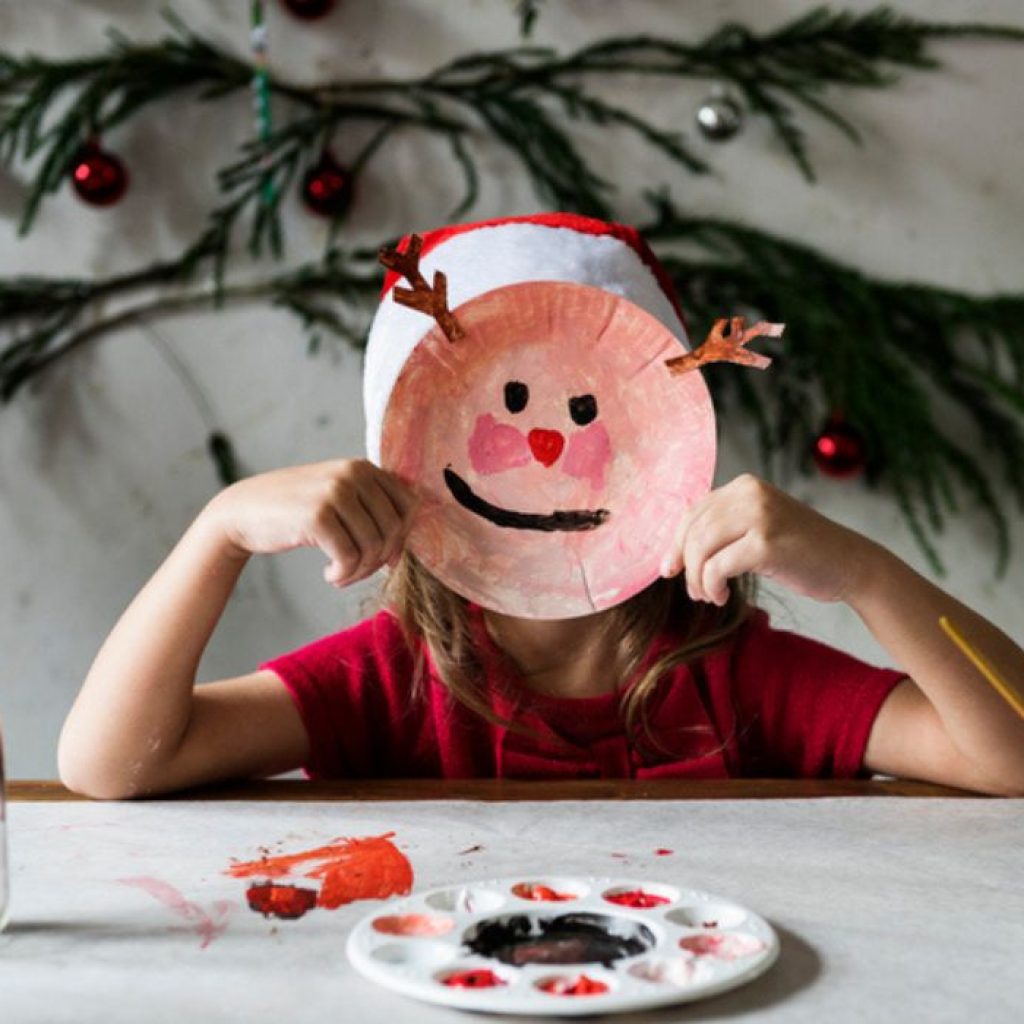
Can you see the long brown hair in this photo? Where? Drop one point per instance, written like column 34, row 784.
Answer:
column 435, row 618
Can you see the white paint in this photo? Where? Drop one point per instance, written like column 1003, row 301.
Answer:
column 102, row 462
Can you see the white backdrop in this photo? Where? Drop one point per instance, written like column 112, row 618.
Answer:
column 103, row 461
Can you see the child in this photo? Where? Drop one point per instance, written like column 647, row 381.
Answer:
column 568, row 600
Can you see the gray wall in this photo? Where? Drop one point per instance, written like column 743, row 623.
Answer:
column 102, row 462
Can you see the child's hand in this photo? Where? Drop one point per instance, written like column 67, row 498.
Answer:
column 357, row 514
column 750, row 526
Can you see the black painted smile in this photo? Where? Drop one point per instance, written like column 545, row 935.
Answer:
column 571, row 520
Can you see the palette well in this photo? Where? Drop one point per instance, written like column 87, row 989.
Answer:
column 562, row 946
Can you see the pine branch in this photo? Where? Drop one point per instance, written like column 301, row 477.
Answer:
column 779, row 71
column 884, row 353
column 48, row 108
column 96, row 94
column 313, row 292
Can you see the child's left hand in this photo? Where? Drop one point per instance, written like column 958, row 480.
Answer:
column 750, row 526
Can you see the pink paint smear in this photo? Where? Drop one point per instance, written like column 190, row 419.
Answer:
column 206, row 926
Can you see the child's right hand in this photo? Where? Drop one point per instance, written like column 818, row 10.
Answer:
column 355, row 512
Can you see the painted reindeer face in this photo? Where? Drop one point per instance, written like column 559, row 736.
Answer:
column 555, row 437
column 553, row 449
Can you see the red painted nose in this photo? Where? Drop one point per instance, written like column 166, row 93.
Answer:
column 546, row 445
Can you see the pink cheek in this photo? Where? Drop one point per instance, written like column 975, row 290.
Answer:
column 588, row 454
column 494, row 446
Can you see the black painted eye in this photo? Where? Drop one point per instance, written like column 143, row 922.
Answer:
column 583, row 409
column 517, row 395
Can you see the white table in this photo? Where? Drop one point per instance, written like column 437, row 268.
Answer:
column 899, row 909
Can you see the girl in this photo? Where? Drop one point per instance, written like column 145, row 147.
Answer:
column 683, row 678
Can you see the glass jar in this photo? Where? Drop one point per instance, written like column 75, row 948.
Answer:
column 3, row 840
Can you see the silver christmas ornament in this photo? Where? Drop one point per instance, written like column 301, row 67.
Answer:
column 719, row 118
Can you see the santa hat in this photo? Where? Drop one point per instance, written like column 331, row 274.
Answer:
column 480, row 257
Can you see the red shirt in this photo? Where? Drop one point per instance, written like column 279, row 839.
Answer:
column 769, row 703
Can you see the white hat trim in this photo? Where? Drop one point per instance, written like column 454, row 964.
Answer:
column 482, row 259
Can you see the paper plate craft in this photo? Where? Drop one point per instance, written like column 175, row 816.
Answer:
column 533, row 380
column 562, row 946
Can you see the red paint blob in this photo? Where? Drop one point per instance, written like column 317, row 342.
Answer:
column 578, row 986
column 664, row 852
column 637, row 898
column 372, row 868
column 546, row 445
column 482, row 977
column 285, row 901
column 529, row 891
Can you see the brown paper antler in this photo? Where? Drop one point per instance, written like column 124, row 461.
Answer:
column 721, row 346
column 432, row 301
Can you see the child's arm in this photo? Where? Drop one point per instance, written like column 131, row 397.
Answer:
column 945, row 723
column 139, row 726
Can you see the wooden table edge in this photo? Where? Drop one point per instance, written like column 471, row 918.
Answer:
column 42, row 790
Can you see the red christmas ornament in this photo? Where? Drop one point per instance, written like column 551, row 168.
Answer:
column 308, row 9
column 840, row 450
column 327, row 187
column 99, row 177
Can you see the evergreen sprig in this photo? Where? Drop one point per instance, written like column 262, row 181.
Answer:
column 929, row 376
column 48, row 108
column 63, row 314
column 526, row 98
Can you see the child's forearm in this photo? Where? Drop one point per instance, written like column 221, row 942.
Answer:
column 902, row 610
column 135, row 703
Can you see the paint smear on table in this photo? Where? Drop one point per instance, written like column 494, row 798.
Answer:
column 367, row 868
column 206, row 925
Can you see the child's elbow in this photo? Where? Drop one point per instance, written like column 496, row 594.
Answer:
column 95, row 787
column 80, row 776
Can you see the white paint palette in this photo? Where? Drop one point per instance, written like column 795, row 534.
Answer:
column 562, row 946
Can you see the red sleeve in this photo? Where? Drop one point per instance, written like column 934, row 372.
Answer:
column 352, row 690
column 804, row 709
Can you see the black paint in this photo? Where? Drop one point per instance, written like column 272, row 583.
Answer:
column 517, row 394
column 583, row 409
column 573, row 520
column 519, row 939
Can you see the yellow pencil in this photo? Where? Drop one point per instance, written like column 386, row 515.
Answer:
column 1001, row 686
